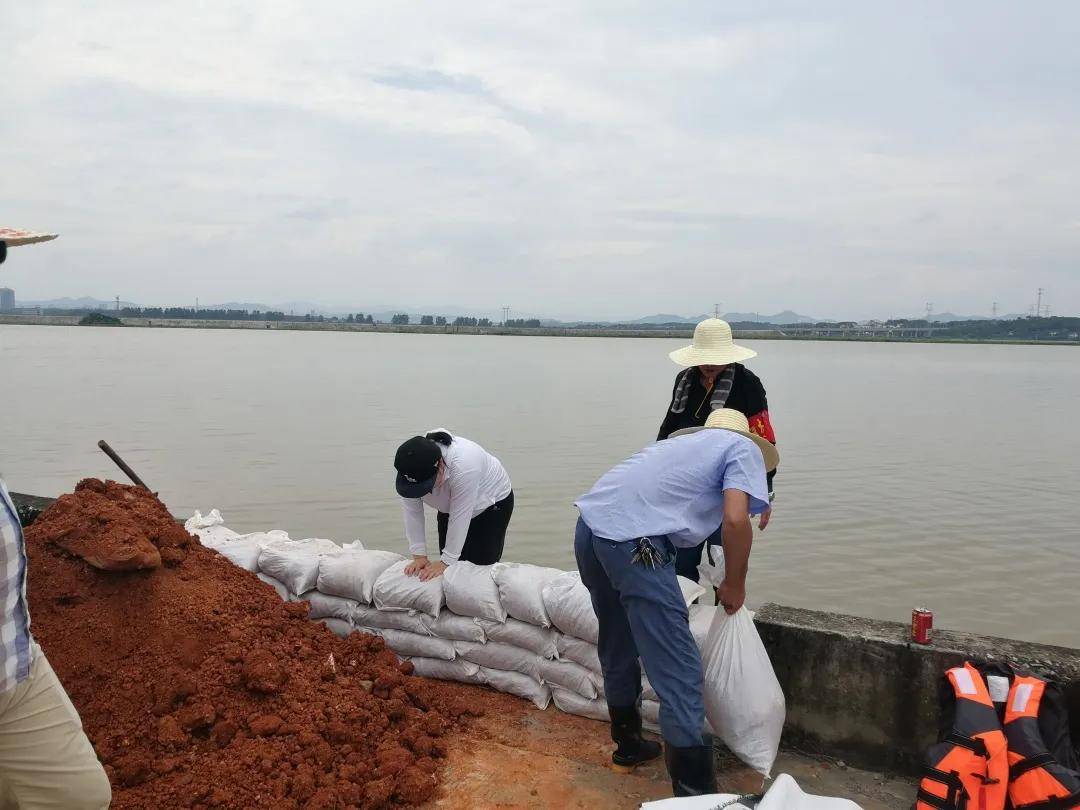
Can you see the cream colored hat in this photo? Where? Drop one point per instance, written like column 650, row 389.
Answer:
column 733, row 420
column 712, row 346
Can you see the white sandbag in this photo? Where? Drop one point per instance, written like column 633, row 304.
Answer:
column 578, row 651
column 458, row 670
column 200, row 521
column 470, row 591
column 514, row 683
column 711, row 568
column 743, row 699
column 329, row 607
column 494, row 655
column 338, row 627
column 568, row 675
column 396, row 591
column 783, row 794
column 408, row 645
column 521, row 587
column 540, row 640
column 242, row 551
column 567, row 602
column 456, row 628
column 282, row 591
column 354, row 571
column 407, row 620
column 573, row 703
column 691, row 591
column 701, row 617
column 569, row 605
column 296, row 563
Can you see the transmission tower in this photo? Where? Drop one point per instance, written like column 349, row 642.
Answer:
column 929, row 311
column 716, row 310
column 993, row 311
column 118, row 303
column 506, row 315
column 1038, row 303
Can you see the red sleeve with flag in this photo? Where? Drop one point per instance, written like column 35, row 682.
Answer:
column 762, row 426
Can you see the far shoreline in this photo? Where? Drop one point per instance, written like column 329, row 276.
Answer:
column 809, row 333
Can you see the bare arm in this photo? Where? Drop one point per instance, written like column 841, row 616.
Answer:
column 738, row 536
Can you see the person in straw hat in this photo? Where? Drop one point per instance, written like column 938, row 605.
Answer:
column 714, row 378
column 670, row 495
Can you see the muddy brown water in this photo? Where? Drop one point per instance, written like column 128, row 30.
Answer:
column 912, row 474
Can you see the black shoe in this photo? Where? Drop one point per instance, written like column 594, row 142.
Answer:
column 691, row 769
column 631, row 748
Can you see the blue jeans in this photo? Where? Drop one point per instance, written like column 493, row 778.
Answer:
column 642, row 614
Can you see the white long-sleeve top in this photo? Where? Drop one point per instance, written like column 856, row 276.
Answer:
column 474, row 480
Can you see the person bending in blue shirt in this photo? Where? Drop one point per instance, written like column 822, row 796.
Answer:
column 671, row 495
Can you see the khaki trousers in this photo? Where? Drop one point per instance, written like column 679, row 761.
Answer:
column 46, row 760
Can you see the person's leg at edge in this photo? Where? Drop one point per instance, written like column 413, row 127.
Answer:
column 660, row 626
column 46, row 760
column 687, row 561
column 618, row 657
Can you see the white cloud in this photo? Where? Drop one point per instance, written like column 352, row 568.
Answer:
column 588, row 160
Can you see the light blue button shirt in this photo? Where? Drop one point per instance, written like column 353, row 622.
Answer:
column 676, row 488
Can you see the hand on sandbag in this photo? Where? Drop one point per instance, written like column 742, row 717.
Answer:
column 731, row 597
column 417, row 565
column 432, row 570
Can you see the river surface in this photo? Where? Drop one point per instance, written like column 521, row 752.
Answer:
column 936, row 475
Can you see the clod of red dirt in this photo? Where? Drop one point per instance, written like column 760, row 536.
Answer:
column 199, row 688
column 115, row 527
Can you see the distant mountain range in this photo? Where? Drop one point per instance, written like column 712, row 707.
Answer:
column 785, row 317
column 74, row 303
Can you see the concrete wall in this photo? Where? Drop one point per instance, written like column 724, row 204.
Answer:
column 858, row 689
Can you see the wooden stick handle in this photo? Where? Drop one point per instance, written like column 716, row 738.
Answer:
column 130, row 473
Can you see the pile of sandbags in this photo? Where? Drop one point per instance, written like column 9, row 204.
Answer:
column 523, row 629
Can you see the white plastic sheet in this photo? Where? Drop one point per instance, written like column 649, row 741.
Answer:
column 396, row 591
column 521, row 587
column 540, row 640
column 470, row 591
column 783, row 794
column 353, row 573
column 743, row 700
column 514, row 683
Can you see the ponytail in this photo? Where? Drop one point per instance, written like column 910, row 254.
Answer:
column 440, row 437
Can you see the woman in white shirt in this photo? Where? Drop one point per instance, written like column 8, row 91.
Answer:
column 471, row 492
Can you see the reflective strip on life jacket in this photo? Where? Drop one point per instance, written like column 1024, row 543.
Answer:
column 968, row 769
column 1037, row 781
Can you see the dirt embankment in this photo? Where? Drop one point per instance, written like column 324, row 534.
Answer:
column 199, row 688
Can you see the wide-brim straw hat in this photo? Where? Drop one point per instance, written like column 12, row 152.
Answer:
column 736, row 422
column 712, row 346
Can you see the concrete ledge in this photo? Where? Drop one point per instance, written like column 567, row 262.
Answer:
column 858, row 689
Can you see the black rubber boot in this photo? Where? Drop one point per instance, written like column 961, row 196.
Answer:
column 691, row 769
column 631, row 748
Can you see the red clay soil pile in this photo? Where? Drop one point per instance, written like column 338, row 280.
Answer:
column 199, row 688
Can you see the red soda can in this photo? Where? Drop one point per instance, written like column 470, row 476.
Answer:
column 922, row 623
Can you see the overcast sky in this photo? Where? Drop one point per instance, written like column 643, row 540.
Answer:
column 568, row 159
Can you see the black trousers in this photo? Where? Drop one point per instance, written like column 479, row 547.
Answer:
column 688, row 559
column 487, row 532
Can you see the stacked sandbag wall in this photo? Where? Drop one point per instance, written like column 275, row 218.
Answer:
column 522, row 629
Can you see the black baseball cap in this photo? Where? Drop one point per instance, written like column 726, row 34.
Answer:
column 417, row 464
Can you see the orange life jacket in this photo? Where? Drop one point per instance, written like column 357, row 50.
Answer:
column 1037, row 781
column 969, row 768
